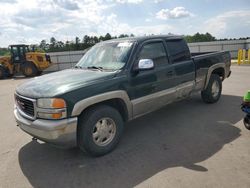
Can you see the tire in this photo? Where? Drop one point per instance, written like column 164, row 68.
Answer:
column 213, row 91
column 247, row 122
column 29, row 69
column 10, row 75
column 3, row 73
column 39, row 73
column 99, row 130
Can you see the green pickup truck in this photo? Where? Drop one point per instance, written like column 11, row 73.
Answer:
column 114, row 82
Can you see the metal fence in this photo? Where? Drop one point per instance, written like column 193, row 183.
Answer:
column 64, row 60
column 229, row 45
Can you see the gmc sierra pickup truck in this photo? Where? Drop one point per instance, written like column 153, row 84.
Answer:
column 114, row 82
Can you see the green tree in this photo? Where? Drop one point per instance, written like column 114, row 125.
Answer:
column 52, row 43
column 4, row 52
column 96, row 40
column 77, row 43
column 60, row 44
column 200, row 37
column 101, row 38
column 43, row 45
column 86, row 39
column 107, row 37
column 123, row 35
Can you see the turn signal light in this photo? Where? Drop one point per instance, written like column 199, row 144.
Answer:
column 58, row 103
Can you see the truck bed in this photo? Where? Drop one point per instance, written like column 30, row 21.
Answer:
column 207, row 59
column 204, row 60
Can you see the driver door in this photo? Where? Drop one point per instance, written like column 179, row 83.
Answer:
column 152, row 89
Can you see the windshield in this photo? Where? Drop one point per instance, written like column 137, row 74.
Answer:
column 109, row 56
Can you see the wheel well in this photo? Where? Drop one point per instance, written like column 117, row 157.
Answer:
column 219, row 71
column 116, row 103
column 31, row 62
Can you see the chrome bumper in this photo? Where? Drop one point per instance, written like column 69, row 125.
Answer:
column 58, row 132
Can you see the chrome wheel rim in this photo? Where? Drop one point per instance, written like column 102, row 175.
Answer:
column 104, row 131
column 215, row 89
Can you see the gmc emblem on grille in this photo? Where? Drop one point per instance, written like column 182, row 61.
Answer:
column 20, row 104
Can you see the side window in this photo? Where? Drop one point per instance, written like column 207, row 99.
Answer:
column 14, row 51
column 154, row 51
column 178, row 50
column 21, row 50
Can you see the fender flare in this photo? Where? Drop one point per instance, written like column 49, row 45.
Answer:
column 211, row 69
column 81, row 105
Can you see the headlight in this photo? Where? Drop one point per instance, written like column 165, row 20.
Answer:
column 51, row 103
column 51, row 108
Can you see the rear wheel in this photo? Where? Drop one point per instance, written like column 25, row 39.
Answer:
column 99, row 130
column 29, row 69
column 213, row 91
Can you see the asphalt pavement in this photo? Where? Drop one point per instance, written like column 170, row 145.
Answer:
column 185, row 144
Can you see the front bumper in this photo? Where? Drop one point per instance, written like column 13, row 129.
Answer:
column 57, row 132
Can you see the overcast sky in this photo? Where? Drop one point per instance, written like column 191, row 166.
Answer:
column 30, row 21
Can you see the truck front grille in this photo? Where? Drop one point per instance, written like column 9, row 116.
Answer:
column 25, row 105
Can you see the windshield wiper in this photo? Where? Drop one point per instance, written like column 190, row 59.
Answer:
column 95, row 67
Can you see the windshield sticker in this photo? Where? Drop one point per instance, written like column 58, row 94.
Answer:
column 124, row 44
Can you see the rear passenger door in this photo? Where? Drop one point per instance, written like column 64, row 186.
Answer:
column 153, row 88
column 184, row 66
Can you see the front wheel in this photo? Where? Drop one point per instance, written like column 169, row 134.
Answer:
column 29, row 69
column 99, row 130
column 213, row 91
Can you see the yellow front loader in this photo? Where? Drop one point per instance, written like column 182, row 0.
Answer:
column 24, row 61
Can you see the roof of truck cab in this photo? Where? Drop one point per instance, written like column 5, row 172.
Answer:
column 143, row 38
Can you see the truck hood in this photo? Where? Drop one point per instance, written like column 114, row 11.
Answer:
column 57, row 83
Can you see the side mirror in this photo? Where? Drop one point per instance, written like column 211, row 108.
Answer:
column 145, row 64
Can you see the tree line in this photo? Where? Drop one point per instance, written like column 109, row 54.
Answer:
column 87, row 41
column 4, row 51
column 78, row 44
